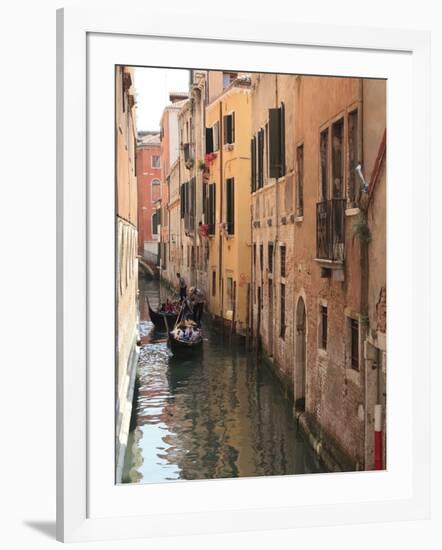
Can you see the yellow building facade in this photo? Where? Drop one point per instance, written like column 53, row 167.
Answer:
column 228, row 130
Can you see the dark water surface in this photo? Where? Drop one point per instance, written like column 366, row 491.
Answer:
column 217, row 414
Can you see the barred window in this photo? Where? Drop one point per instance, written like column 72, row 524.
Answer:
column 282, row 261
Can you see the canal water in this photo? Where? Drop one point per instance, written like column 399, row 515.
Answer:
column 218, row 414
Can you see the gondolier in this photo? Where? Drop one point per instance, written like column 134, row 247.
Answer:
column 182, row 286
column 197, row 299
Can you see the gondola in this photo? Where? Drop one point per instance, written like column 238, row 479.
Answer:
column 179, row 345
column 158, row 319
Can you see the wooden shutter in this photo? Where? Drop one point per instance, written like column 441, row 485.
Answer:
column 253, row 162
column 282, row 139
column 182, row 200
column 211, row 213
column 215, row 134
column 228, row 129
column 205, row 210
column 209, row 140
column 233, row 128
column 274, row 143
column 260, row 158
column 230, row 196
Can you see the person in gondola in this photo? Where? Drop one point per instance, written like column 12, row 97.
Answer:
column 197, row 299
column 182, row 287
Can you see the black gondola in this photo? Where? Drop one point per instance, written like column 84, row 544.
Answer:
column 178, row 345
column 182, row 344
column 158, row 319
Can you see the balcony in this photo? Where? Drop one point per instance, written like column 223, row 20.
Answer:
column 330, row 233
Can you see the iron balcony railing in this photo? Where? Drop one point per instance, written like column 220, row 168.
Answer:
column 330, row 229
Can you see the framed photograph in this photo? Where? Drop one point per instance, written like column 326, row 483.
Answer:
column 243, row 258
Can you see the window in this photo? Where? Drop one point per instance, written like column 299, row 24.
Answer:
column 230, row 293
column 300, row 180
column 254, row 256
column 213, row 283
column 215, row 133
column 260, row 141
column 338, row 159
column 270, row 257
column 261, row 258
column 211, row 208
column 288, row 193
column 282, row 260
column 353, row 156
column 155, row 222
column 155, row 161
column 229, row 128
column 228, row 78
column 209, row 140
column 282, row 312
column 164, row 257
column 323, row 147
column 156, row 181
column 187, row 152
column 253, row 163
column 182, row 200
column 354, row 340
column 205, row 201
column 267, row 150
column 277, row 142
column 230, row 203
column 323, row 327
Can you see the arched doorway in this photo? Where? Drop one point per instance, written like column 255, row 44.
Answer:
column 300, row 343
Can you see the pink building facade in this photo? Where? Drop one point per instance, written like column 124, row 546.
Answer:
column 149, row 191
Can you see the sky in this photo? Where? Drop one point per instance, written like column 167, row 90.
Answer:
column 152, row 87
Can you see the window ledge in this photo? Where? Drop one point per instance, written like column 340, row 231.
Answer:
column 322, row 353
column 299, row 219
column 330, row 264
column 352, row 211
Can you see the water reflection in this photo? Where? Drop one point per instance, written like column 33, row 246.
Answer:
column 214, row 415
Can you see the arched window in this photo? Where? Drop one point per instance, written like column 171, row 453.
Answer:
column 156, row 182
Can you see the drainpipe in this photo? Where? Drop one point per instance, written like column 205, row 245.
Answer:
column 221, row 240
column 277, row 230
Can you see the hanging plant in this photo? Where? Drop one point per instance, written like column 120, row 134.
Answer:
column 209, row 158
column 361, row 230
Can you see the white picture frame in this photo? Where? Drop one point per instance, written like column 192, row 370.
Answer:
column 89, row 505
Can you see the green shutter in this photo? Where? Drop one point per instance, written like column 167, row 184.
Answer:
column 209, row 140
column 253, row 162
column 230, row 191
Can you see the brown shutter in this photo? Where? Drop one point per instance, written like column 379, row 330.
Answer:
column 282, row 139
column 274, row 143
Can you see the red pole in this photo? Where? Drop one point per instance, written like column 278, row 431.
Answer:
column 378, row 437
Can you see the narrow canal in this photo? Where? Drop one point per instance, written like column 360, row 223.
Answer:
column 217, row 414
